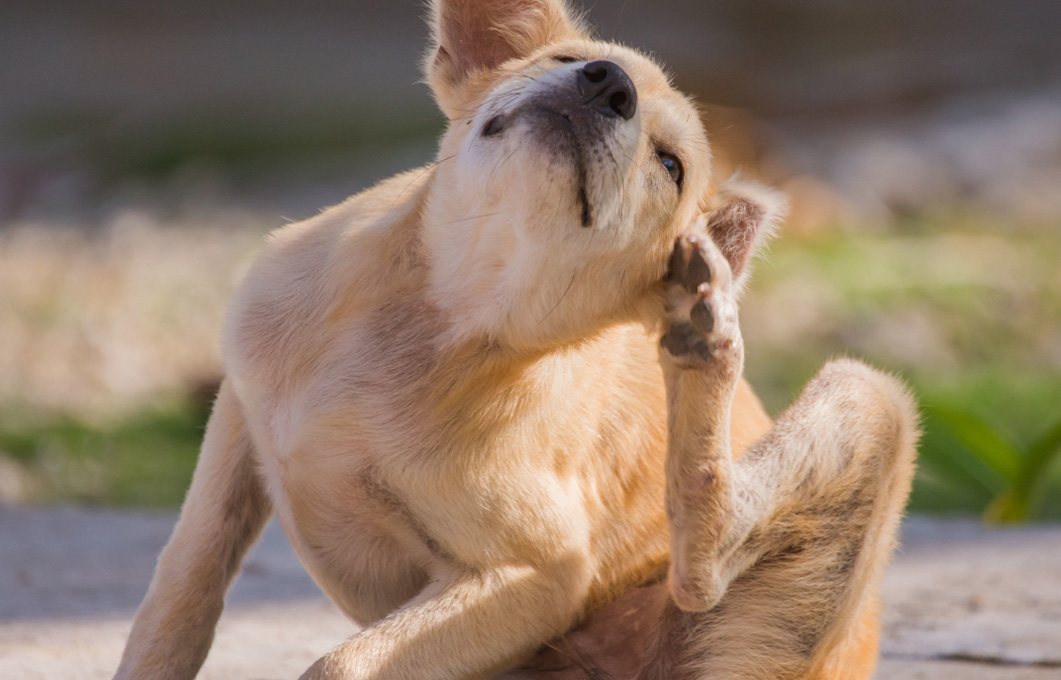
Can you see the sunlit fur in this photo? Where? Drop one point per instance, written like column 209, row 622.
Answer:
column 449, row 390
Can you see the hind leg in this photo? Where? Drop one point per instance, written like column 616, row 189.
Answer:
column 775, row 557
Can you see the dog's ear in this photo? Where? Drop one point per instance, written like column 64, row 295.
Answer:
column 742, row 216
column 471, row 37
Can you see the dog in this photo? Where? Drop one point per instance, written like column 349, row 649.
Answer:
column 496, row 404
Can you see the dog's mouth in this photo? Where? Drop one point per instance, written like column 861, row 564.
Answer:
column 565, row 126
column 558, row 132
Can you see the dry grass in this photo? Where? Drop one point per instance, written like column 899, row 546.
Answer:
column 97, row 320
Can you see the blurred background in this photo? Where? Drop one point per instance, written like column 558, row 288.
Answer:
column 147, row 148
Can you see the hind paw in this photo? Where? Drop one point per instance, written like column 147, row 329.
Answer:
column 702, row 323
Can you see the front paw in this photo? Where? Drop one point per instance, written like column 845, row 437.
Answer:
column 702, row 323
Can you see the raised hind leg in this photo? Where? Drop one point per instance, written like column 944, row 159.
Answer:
column 775, row 557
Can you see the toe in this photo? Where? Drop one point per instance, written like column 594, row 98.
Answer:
column 682, row 340
column 698, row 271
column 702, row 315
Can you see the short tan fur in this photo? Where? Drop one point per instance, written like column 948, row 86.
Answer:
column 495, row 399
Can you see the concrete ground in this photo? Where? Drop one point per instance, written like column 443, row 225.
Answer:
column 962, row 602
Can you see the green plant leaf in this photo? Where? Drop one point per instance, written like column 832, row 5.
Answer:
column 981, row 440
column 1041, row 454
column 1007, row 508
column 943, row 455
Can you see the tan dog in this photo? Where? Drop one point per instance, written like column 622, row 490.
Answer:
column 452, row 392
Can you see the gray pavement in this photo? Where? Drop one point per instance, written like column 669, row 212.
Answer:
column 962, row 602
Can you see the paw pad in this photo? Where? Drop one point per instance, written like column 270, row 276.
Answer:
column 700, row 304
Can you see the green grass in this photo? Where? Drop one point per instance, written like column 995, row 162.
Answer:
column 968, row 313
column 143, row 460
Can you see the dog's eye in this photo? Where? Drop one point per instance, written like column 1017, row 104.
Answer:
column 673, row 166
column 565, row 59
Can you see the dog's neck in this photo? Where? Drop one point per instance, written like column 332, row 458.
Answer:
column 491, row 281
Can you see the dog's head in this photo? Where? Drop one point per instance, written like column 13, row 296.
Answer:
column 568, row 167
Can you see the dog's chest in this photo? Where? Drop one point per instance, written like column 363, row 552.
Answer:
column 378, row 483
column 375, row 527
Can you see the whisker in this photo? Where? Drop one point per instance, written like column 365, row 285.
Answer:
column 476, row 217
column 416, row 179
column 566, row 291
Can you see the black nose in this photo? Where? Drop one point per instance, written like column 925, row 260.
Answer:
column 608, row 89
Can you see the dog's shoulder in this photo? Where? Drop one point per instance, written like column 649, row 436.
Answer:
column 311, row 278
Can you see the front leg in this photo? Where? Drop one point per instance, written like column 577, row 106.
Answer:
column 222, row 516
column 466, row 624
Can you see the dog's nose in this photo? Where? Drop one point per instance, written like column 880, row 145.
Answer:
column 608, row 89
